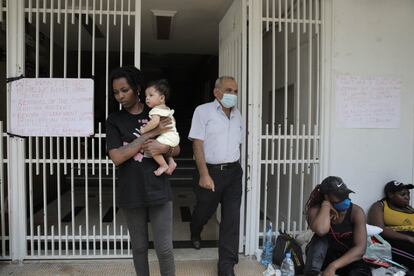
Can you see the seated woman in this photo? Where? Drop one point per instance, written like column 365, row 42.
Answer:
column 340, row 235
column 394, row 214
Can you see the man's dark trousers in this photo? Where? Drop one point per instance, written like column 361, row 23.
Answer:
column 228, row 192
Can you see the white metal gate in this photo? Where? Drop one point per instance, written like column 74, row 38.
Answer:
column 283, row 113
column 70, row 182
column 232, row 62
column 4, row 229
column 4, row 163
column 4, row 235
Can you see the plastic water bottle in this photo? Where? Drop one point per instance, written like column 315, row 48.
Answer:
column 287, row 268
column 267, row 253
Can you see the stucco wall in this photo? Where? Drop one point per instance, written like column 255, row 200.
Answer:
column 369, row 38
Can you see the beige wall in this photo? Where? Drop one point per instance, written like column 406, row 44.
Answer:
column 369, row 38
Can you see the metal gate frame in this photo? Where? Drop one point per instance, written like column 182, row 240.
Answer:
column 18, row 182
column 261, row 141
column 232, row 62
column 16, row 176
column 15, row 15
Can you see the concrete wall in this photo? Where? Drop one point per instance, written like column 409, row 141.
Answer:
column 369, row 38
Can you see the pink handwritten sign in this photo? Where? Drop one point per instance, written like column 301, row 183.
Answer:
column 51, row 107
column 368, row 102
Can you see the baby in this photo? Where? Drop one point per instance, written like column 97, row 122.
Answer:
column 156, row 94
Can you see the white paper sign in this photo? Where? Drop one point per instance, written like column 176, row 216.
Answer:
column 367, row 102
column 51, row 107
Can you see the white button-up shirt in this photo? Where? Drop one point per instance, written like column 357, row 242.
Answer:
column 221, row 135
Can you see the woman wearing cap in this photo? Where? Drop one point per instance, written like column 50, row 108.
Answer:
column 340, row 235
column 394, row 214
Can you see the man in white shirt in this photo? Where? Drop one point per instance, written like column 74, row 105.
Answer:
column 216, row 132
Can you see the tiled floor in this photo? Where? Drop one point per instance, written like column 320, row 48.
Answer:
column 246, row 267
column 183, row 202
column 188, row 261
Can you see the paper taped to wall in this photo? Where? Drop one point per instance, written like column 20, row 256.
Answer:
column 51, row 107
column 367, row 102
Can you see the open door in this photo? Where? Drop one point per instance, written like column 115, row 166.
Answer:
column 281, row 152
column 232, row 62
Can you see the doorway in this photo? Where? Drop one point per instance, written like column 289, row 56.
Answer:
column 191, row 78
column 188, row 58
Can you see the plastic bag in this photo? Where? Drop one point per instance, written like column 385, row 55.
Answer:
column 271, row 271
column 378, row 248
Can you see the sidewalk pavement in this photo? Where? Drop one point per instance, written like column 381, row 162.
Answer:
column 246, row 267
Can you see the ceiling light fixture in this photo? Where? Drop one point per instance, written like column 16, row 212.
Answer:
column 163, row 23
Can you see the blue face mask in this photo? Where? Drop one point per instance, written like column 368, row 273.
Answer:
column 343, row 205
column 229, row 100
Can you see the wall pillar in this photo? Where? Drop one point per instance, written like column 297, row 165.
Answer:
column 16, row 151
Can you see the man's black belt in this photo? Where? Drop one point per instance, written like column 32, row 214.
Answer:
column 223, row 166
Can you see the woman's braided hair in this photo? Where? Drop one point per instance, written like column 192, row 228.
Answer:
column 315, row 199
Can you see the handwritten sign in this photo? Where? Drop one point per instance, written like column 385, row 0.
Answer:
column 51, row 107
column 367, row 102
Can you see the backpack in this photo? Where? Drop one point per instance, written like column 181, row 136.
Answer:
column 286, row 243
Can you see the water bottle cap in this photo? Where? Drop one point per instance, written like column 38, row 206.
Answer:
column 288, row 254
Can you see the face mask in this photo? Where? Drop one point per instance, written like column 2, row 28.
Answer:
column 229, row 100
column 343, row 205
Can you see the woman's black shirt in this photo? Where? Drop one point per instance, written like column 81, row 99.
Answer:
column 137, row 184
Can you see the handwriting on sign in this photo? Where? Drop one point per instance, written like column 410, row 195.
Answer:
column 367, row 102
column 52, row 107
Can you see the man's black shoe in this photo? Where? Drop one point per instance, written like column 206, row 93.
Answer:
column 196, row 243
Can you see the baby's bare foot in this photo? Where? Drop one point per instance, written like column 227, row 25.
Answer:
column 161, row 170
column 171, row 166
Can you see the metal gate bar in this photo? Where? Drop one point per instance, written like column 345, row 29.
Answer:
column 3, row 203
column 4, row 163
column 290, row 147
column 52, row 162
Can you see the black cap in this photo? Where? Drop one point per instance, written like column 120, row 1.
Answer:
column 334, row 185
column 395, row 186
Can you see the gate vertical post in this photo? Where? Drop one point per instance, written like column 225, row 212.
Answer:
column 254, row 126
column 16, row 152
column 137, row 35
column 327, row 77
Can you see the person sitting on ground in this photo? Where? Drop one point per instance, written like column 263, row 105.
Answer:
column 394, row 214
column 340, row 235
column 156, row 94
